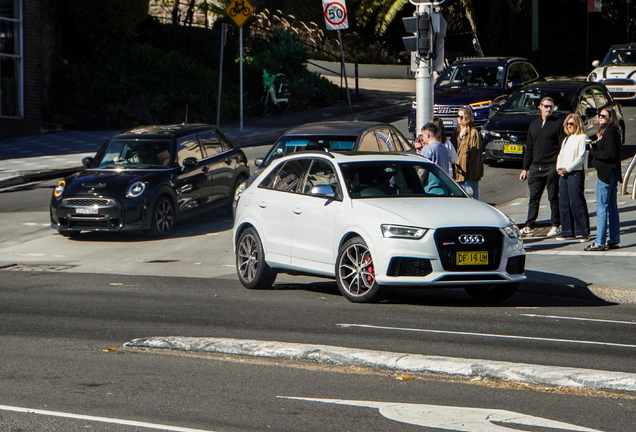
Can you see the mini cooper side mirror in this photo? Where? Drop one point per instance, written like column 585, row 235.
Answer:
column 596, row 63
column 258, row 162
column 190, row 162
column 87, row 161
column 590, row 112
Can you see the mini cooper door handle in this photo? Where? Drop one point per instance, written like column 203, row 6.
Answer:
column 262, row 204
column 297, row 210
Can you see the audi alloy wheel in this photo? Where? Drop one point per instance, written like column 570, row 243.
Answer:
column 355, row 273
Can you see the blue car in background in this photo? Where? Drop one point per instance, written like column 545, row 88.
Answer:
column 475, row 83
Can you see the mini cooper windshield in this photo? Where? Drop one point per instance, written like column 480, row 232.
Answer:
column 292, row 144
column 135, row 154
column 379, row 179
column 528, row 101
column 620, row 57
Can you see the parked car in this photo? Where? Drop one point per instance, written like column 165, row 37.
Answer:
column 372, row 221
column 475, row 83
column 336, row 136
column 505, row 134
column 617, row 71
column 147, row 178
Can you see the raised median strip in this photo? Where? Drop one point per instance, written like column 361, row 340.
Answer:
column 398, row 362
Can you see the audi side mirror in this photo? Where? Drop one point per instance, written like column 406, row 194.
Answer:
column 323, row 191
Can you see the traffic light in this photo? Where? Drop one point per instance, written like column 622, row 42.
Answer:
column 424, row 34
column 420, row 26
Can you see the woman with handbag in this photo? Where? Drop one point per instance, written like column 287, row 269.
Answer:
column 469, row 168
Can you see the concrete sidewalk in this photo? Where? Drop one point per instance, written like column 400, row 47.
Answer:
column 552, row 267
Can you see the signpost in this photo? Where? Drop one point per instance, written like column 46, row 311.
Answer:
column 336, row 19
column 240, row 11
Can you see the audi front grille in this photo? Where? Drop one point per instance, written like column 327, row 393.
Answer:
column 450, row 241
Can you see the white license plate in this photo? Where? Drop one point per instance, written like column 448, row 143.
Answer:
column 449, row 123
column 615, row 89
column 87, row 210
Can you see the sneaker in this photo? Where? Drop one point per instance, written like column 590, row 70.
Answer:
column 586, row 238
column 565, row 238
column 527, row 231
column 595, row 248
column 554, row 231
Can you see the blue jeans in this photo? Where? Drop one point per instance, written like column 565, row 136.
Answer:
column 575, row 219
column 607, row 210
column 474, row 184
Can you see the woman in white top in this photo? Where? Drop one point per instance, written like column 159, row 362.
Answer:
column 571, row 166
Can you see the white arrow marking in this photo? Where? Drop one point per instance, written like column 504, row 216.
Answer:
column 452, row 418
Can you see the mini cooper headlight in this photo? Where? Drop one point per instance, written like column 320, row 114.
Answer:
column 398, row 231
column 136, row 189
column 59, row 189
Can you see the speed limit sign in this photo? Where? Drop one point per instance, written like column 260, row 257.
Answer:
column 335, row 14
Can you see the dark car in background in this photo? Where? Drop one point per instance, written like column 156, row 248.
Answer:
column 149, row 177
column 505, row 134
column 475, row 83
column 335, row 136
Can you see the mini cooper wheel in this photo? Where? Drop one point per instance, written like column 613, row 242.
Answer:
column 252, row 270
column 355, row 273
column 162, row 217
column 492, row 293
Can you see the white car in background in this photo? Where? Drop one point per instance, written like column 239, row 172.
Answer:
column 372, row 221
column 617, row 71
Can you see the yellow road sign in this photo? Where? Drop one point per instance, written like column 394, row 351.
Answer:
column 240, row 11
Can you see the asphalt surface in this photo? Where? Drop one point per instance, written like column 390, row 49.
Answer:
column 552, row 267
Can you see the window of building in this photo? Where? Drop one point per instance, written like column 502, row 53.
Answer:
column 10, row 58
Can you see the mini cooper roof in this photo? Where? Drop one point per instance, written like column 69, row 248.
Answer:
column 163, row 131
column 338, row 128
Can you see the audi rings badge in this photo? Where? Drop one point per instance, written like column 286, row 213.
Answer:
column 473, row 239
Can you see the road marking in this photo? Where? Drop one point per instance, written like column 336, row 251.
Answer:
column 452, row 418
column 579, row 319
column 101, row 419
column 488, row 335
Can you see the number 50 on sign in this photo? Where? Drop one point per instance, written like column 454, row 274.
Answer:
column 335, row 14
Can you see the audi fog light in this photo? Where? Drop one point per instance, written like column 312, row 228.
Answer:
column 136, row 189
column 398, row 231
column 59, row 189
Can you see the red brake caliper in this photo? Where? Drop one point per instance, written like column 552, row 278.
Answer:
column 369, row 269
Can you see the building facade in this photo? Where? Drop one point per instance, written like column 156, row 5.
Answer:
column 21, row 68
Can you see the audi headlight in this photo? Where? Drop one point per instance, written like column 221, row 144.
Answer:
column 399, row 231
column 480, row 105
column 512, row 231
column 136, row 189
column 592, row 76
column 59, row 189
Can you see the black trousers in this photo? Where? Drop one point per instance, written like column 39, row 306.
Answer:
column 540, row 177
column 574, row 214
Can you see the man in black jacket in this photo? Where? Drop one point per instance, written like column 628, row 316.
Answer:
column 543, row 144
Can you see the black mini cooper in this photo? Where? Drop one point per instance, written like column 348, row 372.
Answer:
column 149, row 177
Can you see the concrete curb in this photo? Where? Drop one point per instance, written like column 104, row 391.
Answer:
column 399, row 362
column 591, row 292
column 45, row 174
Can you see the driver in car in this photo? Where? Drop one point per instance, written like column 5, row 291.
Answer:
column 144, row 155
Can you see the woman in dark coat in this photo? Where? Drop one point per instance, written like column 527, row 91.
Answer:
column 606, row 158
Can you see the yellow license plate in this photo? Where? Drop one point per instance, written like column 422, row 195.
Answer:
column 472, row 258
column 513, row 149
